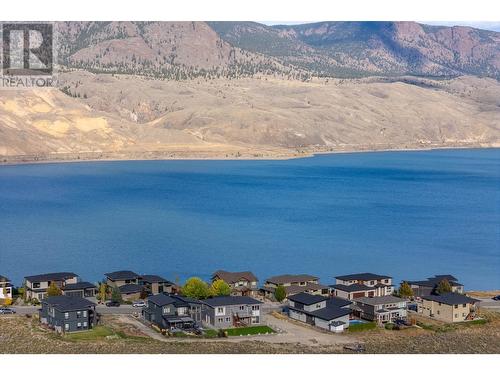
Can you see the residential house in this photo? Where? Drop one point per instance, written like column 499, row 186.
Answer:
column 449, row 307
column 68, row 314
column 37, row 285
column 120, row 278
column 231, row 311
column 294, row 284
column 383, row 309
column 81, row 289
column 127, row 282
column 427, row 287
column 362, row 285
column 330, row 313
column 172, row 311
column 242, row 283
column 154, row 284
column 5, row 289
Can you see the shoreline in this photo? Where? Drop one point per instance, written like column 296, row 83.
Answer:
column 204, row 156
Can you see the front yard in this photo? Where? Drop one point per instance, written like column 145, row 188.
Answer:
column 245, row 331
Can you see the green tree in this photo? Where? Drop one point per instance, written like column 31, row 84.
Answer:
column 53, row 290
column 405, row 291
column 443, row 287
column 196, row 288
column 280, row 293
column 116, row 296
column 220, row 288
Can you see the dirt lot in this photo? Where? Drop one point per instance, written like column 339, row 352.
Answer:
column 24, row 335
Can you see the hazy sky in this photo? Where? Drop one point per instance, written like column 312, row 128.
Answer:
column 495, row 26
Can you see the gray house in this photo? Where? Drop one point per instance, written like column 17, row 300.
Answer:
column 68, row 314
column 172, row 311
column 381, row 309
column 81, row 289
column 422, row 288
column 329, row 313
column 231, row 311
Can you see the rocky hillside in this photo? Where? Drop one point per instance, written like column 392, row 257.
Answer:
column 180, row 50
column 366, row 48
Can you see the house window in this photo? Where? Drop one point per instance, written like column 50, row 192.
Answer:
column 456, row 315
column 228, row 319
column 220, row 310
column 85, row 324
column 66, row 315
column 166, row 309
column 387, row 281
column 78, row 314
column 318, row 305
column 372, row 282
column 456, row 306
column 85, row 314
column 256, row 308
column 79, row 325
column 438, row 312
column 242, row 308
column 463, row 314
column 464, row 305
column 66, row 327
column 220, row 320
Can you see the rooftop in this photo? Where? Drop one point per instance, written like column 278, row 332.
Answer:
column 68, row 303
column 285, row 279
column 232, row 277
column 362, row 276
column 121, row 275
column 130, row 288
column 4, row 279
column 55, row 276
column 155, row 279
column 352, row 287
column 78, row 286
column 451, row 298
column 307, row 299
column 163, row 299
column 372, row 301
column 230, row 300
column 432, row 282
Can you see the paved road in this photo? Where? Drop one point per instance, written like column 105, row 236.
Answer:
column 488, row 303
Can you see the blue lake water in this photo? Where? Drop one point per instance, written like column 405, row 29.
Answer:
column 406, row 214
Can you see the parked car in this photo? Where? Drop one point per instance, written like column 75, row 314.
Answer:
column 139, row 304
column 6, row 311
column 113, row 304
column 496, row 298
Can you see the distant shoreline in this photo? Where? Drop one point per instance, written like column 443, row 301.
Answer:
column 283, row 154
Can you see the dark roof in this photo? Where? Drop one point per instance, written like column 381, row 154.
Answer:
column 155, row 279
column 230, row 300
column 362, row 276
column 78, row 286
column 56, row 276
column 284, row 279
column 4, row 279
column 338, row 302
column 130, row 288
column 450, row 298
column 68, row 303
column 307, row 299
column 121, row 275
column 352, row 287
column 232, row 277
column 330, row 312
column 382, row 300
column 432, row 282
column 163, row 299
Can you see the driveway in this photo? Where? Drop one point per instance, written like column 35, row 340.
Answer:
column 288, row 333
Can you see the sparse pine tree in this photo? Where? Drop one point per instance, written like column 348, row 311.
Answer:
column 443, row 287
column 280, row 293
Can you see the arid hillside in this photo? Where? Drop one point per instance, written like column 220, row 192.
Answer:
column 132, row 117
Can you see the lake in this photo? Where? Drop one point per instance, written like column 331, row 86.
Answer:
column 407, row 214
